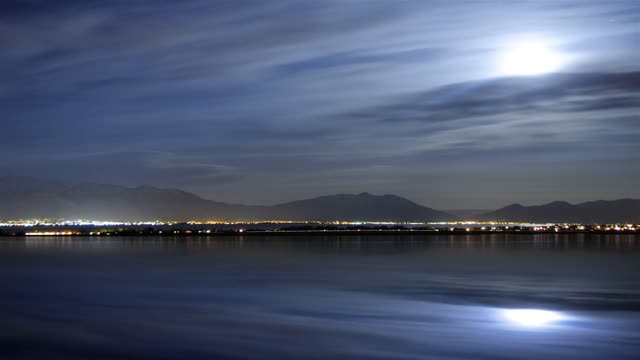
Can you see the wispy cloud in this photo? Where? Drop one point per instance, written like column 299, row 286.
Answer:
column 277, row 91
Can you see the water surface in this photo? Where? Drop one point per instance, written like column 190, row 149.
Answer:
column 334, row 297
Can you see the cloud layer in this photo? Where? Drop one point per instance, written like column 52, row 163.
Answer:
column 261, row 102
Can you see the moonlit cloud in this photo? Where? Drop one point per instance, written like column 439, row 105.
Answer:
column 266, row 102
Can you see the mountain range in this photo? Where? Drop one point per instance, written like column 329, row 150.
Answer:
column 601, row 211
column 28, row 198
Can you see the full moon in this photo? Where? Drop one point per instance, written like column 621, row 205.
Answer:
column 531, row 317
column 530, row 59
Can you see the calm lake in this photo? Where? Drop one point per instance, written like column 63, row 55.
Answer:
column 568, row 296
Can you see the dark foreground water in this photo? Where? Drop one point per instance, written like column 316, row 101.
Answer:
column 348, row 297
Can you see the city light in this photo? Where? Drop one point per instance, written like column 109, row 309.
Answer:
column 50, row 233
column 63, row 227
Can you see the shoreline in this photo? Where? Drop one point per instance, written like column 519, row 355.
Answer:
column 294, row 233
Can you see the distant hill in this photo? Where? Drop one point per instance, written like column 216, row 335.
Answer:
column 601, row 211
column 363, row 206
column 26, row 198
column 23, row 198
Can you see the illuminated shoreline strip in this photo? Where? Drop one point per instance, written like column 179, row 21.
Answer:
column 50, row 233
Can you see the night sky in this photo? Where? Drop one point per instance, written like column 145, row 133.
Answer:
column 472, row 104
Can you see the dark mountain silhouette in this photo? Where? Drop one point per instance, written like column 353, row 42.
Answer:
column 601, row 211
column 22, row 198
column 363, row 206
column 26, row 198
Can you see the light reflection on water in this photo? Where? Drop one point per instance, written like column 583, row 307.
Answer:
column 340, row 297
